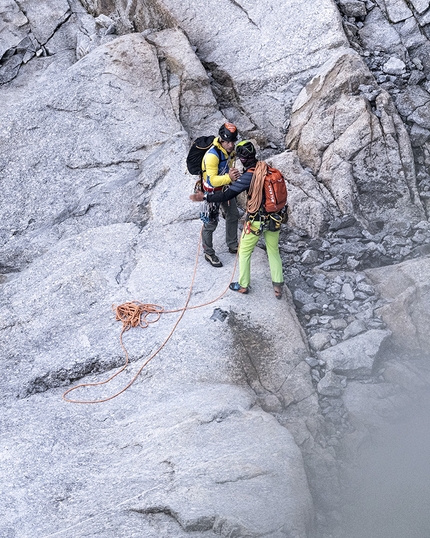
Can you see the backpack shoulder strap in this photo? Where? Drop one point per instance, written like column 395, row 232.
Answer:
column 221, row 156
column 218, row 151
column 216, row 148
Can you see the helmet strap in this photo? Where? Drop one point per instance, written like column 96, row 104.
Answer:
column 249, row 162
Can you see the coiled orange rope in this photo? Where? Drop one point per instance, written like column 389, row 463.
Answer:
column 137, row 314
column 255, row 193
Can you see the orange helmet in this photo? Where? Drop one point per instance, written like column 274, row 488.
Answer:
column 228, row 132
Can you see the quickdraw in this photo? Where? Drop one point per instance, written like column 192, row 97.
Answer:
column 209, row 212
column 205, row 212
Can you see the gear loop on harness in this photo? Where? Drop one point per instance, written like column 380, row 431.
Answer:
column 259, row 217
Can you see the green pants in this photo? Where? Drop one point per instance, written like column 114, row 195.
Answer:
column 246, row 248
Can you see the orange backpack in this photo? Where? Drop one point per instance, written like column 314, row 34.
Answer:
column 275, row 191
column 267, row 189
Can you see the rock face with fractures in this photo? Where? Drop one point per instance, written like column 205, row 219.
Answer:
column 258, row 62
column 80, row 142
column 225, row 432
column 355, row 145
column 94, row 162
column 405, row 287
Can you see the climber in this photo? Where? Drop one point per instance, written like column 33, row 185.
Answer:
column 218, row 171
column 258, row 222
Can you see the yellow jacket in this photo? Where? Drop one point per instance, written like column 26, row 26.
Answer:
column 215, row 169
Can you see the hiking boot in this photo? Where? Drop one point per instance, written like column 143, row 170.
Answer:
column 232, row 250
column 213, row 260
column 235, row 286
column 278, row 290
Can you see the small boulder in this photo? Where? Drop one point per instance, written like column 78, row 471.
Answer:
column 354, row 358
column 394, row 66
column 330, row 385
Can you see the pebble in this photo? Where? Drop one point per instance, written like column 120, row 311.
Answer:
column 339, row 323
column 347, row 292
column 319, row 340
column 311, row 361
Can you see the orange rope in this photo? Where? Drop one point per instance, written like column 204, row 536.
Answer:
column 255, row 192
column 136, row 314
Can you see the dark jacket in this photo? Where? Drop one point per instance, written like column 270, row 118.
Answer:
column 235, row 188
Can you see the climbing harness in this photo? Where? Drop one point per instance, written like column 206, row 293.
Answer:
column 259, row 219
column 275, row 221
column 265, row 221
column 138, row 314
column 209, row 211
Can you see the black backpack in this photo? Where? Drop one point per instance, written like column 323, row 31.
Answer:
column 197, row 151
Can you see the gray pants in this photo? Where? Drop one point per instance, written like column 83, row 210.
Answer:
column 231, row 221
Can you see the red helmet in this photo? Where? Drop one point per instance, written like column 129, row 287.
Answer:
column 228, row 132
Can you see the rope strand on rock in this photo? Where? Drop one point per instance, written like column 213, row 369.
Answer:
column 138, row 314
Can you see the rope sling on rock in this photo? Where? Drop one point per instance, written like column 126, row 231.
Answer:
column 138, row 314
